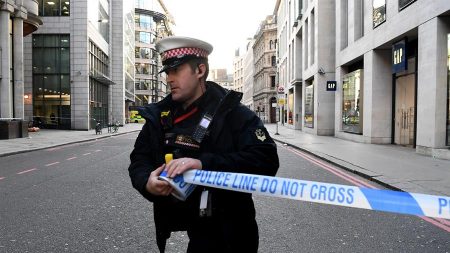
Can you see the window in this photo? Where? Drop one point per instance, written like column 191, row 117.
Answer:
column 402, row 4
column 98, row 61
column 145, row 37
column 343, row 25
column 359, row 19
column 54, row 7
column 378, row 12
column 272, row 81
column 352, row 88
column 51, row 84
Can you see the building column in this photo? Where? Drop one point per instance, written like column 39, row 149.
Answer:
column 18, row 65
column 377, row 107
column 432, row 85
column 5, row 86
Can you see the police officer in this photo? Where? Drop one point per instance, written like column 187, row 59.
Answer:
column 205, row 127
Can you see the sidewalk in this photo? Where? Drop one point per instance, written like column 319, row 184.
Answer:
column 47, row 138
column 395, row 166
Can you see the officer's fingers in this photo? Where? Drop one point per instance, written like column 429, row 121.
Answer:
column 184, row 165
column 158, row 170
column 156, row 186
column 166, row 191
column 172, row 166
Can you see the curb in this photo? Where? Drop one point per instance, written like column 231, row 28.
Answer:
column 346, row 168
column 67, row 143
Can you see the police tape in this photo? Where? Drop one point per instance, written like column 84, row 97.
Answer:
column 325, row 193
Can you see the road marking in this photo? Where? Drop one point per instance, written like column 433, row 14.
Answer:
column 441, row 223
column 2, row 178
column 98, row 150
column 26, row 171
column 71, row 158
column 436, row 223
column 87, row 153
column 50, row 164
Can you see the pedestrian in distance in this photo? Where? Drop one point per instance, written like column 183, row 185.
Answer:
column 205, row 127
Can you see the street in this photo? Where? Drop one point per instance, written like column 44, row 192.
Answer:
column 78, row 198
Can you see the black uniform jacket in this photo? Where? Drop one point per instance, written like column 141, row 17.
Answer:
column 236, row 141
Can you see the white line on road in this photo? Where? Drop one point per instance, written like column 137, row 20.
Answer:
column 26, row 171
column 50, row 164
column 2, row 178
column 87, row 153
column 71, row 158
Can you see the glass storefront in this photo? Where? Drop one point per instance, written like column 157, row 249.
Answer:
column 291, row 107
column 352, row 99
column 51, row 81
column 309, row 105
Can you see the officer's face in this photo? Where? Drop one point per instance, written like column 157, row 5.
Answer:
column 184, row 84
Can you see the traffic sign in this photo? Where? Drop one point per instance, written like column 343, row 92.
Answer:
column 280, row 89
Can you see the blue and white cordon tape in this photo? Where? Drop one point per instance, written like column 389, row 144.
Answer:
column 333, row 194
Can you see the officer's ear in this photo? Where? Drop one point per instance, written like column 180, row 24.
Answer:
column 201, row 70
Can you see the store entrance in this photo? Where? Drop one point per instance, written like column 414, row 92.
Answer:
column 405, row 108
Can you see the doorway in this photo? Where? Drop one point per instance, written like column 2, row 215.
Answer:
column 405, row 110
column 273, row 110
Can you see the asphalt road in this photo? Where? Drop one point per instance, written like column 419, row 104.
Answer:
column 78, row 198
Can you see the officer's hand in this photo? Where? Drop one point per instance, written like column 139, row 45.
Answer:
column 179, row 166
column 156, row 186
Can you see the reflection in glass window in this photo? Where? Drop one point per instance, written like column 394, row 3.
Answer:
column 309, row 105
column 145, row 37
column 54, row 7
column 352, row 102
column 65, row 8
column 404, row 3
column 145, row 21
column 378, row 12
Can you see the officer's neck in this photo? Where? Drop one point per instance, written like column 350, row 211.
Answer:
column 198, row 93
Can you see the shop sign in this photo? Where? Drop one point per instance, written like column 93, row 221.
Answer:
column 281, row 101
column 399, row 62
column 331, row 85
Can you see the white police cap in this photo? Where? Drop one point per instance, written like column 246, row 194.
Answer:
column 176, row 50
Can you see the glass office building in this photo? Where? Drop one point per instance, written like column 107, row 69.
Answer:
column 80, row 70
column 151, row 24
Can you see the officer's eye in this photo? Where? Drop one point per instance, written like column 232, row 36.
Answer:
column 172, row 70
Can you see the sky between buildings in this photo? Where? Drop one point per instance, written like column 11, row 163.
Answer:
column 224, row 23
